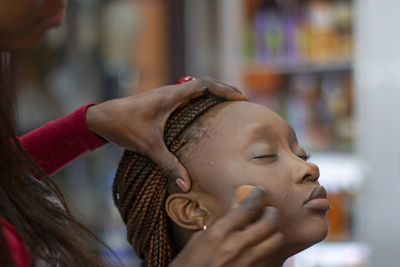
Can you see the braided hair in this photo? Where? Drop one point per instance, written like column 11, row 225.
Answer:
column 140, row 188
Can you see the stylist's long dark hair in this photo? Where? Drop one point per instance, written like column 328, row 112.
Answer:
column 48, row 229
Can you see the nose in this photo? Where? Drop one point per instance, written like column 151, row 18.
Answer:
column 306, row 172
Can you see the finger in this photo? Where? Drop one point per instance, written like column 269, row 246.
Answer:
column 264, row 227
column 170, row 165
column 196, row 88
column 245, row 213
column 223, row 90
column 262, row 251
column 239, row 242
column 226, row 92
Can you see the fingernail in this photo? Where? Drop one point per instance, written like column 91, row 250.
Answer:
column 182, row 184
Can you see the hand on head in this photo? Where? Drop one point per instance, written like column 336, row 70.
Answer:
column 137, row 122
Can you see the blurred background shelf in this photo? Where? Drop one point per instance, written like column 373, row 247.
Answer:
column 298, row 69
column 293, row 56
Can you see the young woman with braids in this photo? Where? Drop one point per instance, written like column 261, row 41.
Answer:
column 223, row 145
column 32, row 226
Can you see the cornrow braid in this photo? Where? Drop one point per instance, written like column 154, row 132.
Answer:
column 140, row 188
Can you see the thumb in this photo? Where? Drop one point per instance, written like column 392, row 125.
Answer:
column 170, row 166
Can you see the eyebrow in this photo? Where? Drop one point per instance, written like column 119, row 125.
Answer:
column 259, row 130
column 262, row 130
column 256, row 132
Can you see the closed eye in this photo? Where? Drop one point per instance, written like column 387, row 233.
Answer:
column 266, row 156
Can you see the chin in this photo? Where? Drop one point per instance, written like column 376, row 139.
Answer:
column 307, row 235
column 317, row 235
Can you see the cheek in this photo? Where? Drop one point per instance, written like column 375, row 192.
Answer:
column 222, row 177
column 282, row 192
column 299, row 225
column 207, row 177
column 213, row 175
column 289, row 209
column 275, row 180
column 217, row 207
column 284, row 198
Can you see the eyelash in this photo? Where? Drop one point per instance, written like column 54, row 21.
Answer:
column 303, row 157
column 266, row 156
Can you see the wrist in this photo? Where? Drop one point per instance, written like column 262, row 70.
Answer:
column 90, row 117
column 92, row 121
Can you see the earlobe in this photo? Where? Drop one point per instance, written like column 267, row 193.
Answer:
column 185, row 211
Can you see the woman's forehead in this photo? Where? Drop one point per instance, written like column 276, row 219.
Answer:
column 246, row 118
column 232, row 126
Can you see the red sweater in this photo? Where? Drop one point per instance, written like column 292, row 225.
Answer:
column 52, row 147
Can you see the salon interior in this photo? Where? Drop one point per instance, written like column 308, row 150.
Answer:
column 331, row 68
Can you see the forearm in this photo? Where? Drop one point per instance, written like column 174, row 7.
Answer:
column 59, row 142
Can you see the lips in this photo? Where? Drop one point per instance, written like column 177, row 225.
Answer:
column 317, row 192
column 318, row 199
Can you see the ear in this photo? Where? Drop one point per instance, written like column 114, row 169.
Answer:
column 184, row 209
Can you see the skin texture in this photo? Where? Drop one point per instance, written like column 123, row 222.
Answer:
column 250, row 144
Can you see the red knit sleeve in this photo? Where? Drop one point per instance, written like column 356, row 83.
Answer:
column 61, row 141
column 18, row 251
